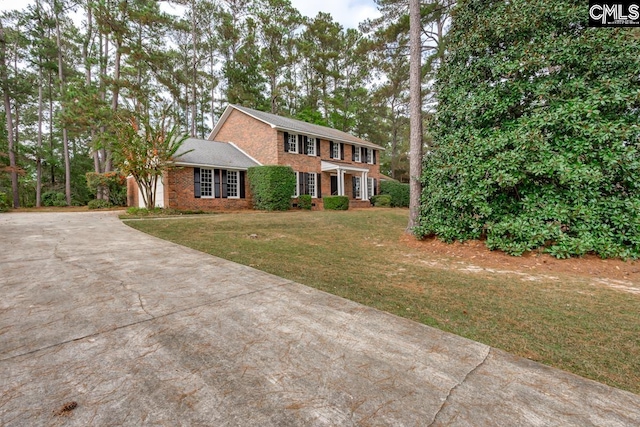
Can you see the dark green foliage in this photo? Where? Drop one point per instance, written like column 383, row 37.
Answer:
column 398, row 191
column 336, row 203
column 381, row 200
column 113, row 182
column 4, row 202
column 304, row 201
column 272, row 187
column 54, row 198
column 538, row 133
column 99, row 204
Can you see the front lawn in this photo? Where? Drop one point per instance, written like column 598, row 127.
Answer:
column 560, row 319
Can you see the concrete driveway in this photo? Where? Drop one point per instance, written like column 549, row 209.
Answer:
column 103, row 325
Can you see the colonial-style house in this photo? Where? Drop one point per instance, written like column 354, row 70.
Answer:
column 212, row 173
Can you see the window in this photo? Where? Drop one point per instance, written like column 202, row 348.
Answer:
column 206, row 183
column 369, row 158
column 232, row 185
column 308, row 183
column 335, row 150
column 356, row 154
column 311, row 184
column 311, row 146
column 356, row 187
column 293, row 143
column 371, row 187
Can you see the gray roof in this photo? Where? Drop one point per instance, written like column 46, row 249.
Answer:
column 214, row 154
column 295, row 126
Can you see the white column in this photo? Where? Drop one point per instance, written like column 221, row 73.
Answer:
column 340, row 182
column 364, row 188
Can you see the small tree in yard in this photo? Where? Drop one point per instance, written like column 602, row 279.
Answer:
column 146, row 149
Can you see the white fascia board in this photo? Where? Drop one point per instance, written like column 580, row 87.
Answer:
column 197, row 165
column 327, row 138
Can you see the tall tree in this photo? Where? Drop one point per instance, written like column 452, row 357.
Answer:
column 415, row 113
column 58, row 8
column 4, row 81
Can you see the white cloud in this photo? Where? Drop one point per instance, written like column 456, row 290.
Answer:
column 349, row 13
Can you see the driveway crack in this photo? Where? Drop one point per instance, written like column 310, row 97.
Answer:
column 455, row 387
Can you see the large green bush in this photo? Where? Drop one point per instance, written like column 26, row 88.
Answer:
column 537, row 134
column 113, row 183
column 53, row 198
column 272, row 187
column 336, row 203
column 398, row 191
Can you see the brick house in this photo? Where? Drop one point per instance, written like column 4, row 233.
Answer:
column 212, row 176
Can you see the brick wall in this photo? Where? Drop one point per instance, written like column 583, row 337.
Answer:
column 179, row 194
column 253, row 136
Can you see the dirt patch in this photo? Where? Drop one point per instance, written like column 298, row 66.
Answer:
column 475, row 257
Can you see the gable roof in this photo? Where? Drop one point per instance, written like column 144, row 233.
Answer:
column 293, row 126
column 202, row 152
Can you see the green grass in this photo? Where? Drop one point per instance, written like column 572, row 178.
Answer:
column 566, row 323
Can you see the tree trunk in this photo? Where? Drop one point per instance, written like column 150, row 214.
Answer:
column 415, row 113
column 39, row 150
column 7, row 108
column 65, row 140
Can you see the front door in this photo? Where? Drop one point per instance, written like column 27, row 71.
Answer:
column 334, row 185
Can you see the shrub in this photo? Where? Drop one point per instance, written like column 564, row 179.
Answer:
column 398, row 191
column 304, row 201
column 138, row 211
column 53, row 198
column 4, row 202
column 99, row 204
column 272, row 187
column 336, row 203
column 112, row 182
column 381, row 200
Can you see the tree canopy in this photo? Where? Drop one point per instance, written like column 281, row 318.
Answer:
column 537, row 138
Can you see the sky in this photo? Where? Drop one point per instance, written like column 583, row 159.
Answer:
column 349, row 13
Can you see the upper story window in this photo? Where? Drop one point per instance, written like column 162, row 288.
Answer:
column 293, row 143
column 356, row 154
column 311, row 146
column 369, row 156
column 336, row 150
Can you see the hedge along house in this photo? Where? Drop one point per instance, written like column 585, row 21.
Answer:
column 326, row 161
column 207, row 175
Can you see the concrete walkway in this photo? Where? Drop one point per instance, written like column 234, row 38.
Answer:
column 101, row 325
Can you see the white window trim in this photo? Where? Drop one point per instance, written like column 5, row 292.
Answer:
column 311, row 145
column 295, row 145
column 212, row 184
column 237, row 174
column 295, row 194
column 313, row 176
column 358, row 155
column 336, row 144
column 370, row 187
column 369, row 157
